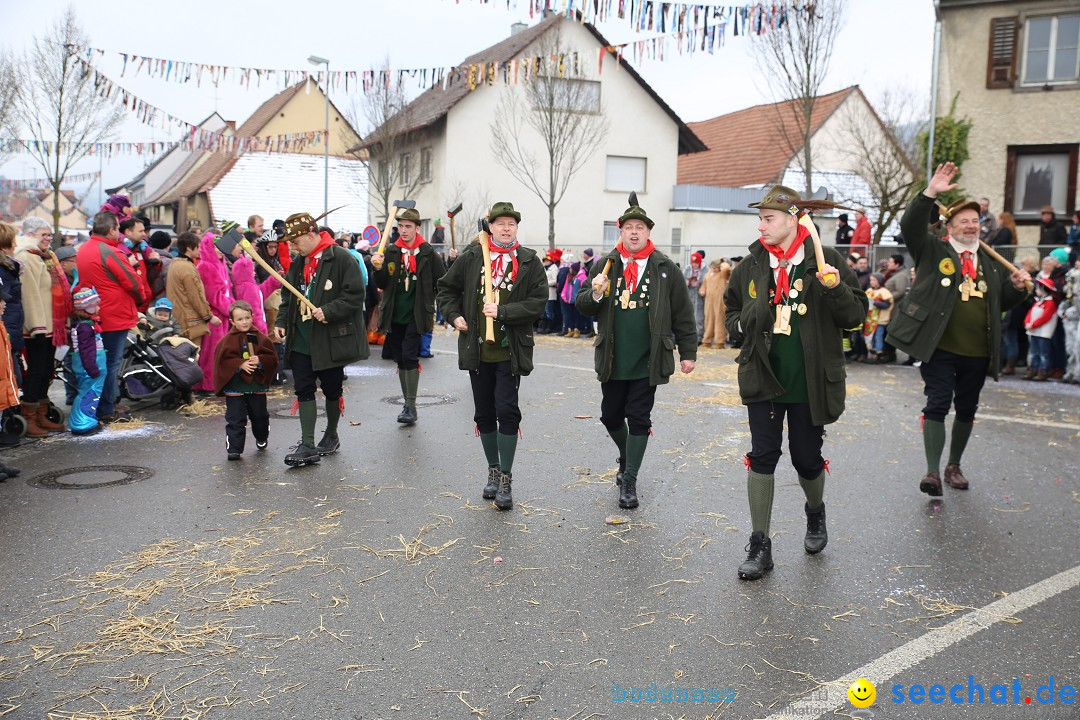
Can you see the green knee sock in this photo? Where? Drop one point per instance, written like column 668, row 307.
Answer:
column 635, row 453
column 507, row 448
column 333, row 414
column 412, row 382
column 814, row 490
column 760, row 490
column 961, row 433
column 490, row 442
column 309, row 411
column 933, row 435
column 619, row 436
column 403, row 380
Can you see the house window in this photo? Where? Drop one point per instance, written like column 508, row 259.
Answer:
column 384, row 173
column 1038, row 175
column 611, row 236
column 625, row 174
column 572, row 95
column 1052, row 50
column 404, row 168
column 425, row 165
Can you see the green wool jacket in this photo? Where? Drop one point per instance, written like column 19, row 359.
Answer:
column 338, row 288
column 671, row 317
column 919, row 322
column 429, row 268
column 750, row 318
column 459, row 296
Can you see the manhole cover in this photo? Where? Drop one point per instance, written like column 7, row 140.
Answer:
column 286, row 412
column 422, row 400
column 90, row 477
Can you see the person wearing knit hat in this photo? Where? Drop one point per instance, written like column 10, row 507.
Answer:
column 87, row 363
column 951, row 320
column 408, row 274
column 790, row 314
column 320, row 342
column 643, row 311
column 694, row 274
column 495, row 339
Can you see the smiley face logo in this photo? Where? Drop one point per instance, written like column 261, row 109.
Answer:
column 862, row 693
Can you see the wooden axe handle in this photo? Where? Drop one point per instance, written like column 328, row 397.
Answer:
column 819, row 253
column 489, row 293
column 453, row 242
column 386, row 230
column 1008, row 265
column 607, row 269
column 246, row 244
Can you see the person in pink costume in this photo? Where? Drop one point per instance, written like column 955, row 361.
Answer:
column 245, row 288
column 219, row 295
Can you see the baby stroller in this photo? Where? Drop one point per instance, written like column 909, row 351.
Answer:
column 159, row 366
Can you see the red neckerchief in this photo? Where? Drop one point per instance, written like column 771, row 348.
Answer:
column 783, row 282
column 311, row 262
column 409, row 258
column 630, row 269
column 967, row 265
column 498, row 261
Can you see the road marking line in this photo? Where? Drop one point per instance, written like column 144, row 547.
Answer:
column 915, row 651
column 1025, row 421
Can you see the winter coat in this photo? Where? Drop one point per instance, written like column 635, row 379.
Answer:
column 429, row 268
column 185, row 291
column 102, row 266
column 9, row 389
column 244, row 288
column 671, row 317
column 920, row 320
column 898, row 284
column 338, row 288
column 459, row 296
column 552, row 273
column 217, row 284
column 1042, row 320
column 830, row 310
column 862, row 235
column 37, row 300
column 229, row 356
column 11, row 278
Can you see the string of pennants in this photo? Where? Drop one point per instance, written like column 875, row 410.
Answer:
column 39, row 183
column 105, row 149
column 693, row 27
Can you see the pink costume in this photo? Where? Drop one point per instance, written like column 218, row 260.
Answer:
column 244, row 288
column 215, row 278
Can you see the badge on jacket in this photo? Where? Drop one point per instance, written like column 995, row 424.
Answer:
column 752, row 290
column 947, row 267
column 328, row 285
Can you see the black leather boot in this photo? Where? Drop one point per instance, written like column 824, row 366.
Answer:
column 622, row 472
column 817, row 537
column 758, row 558
column 329, row 444
column 504, row 500
column 302, row 455
column 407, row 416
column 628, row 493
column 492, row 486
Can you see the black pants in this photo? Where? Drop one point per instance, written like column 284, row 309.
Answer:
column 304, row 377
column 495, row 397
column 238, row 408
column 404, row 342
column 951, row 379
column 767, row 436
column 39, row 368
column 627, row 401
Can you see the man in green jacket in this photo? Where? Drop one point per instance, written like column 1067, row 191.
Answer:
column 642, row 316
column 408, row 275
column 950, row 319
column 790, row 315
column 495, row 369
column 321, row 342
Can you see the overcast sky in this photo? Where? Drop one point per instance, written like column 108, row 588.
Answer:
column 881, row 47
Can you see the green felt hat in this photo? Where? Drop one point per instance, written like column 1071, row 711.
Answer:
column 503, row 209
column 410, row 214
column 779, row 197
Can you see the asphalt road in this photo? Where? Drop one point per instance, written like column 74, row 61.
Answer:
column 380, row 585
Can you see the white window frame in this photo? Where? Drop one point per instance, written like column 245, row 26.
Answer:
column 1051, row 54
column 404, row 168
column 541, row 92
column 644, row 174
column 426, row 171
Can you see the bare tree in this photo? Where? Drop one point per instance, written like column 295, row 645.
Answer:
column 563, row 113
column 793, row 61
column 56, row 102
column 390, row 152
column 7, row 98
column 885, row 147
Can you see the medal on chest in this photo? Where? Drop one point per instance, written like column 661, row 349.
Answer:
column 968, row 289
column 632, row 300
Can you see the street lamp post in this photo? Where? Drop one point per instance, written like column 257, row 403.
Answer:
column 316, row 60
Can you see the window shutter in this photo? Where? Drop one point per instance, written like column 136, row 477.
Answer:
column 1001, row 66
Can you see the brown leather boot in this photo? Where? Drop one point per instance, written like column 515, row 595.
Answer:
column 955, row 478
column 1030, row 374
column 29, row 413
column 931, row 484
column 44, row 422
column 1040, row 376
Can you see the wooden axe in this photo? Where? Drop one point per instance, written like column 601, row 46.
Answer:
column 398, row 204
column 450, row 214
column 489, row 293
column 250, row 250
column 607, row 266
column 816, row 202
